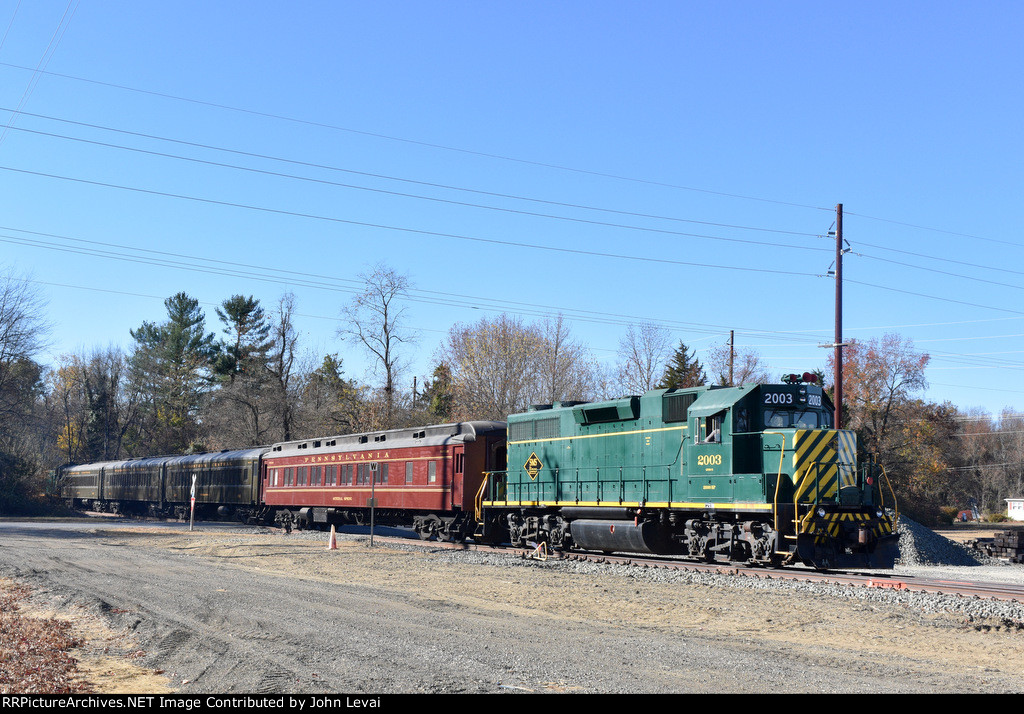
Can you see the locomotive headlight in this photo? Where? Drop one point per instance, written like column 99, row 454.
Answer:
column 821, row 512
column 878, row 513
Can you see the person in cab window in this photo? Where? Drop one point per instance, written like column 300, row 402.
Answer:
column 713, row 428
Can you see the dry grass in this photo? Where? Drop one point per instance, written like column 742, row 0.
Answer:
column 35, row 652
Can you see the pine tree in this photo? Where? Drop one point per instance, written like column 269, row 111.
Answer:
column 240, row 407
column 683, row 370
column 438, row 395
column 245, row 350
column 171, row 364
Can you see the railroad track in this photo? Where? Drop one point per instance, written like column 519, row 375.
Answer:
column 880, row 580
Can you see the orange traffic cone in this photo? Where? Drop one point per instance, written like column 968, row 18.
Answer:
column 332, row 544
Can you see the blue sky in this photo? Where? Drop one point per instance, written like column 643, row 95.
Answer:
column 676, row 162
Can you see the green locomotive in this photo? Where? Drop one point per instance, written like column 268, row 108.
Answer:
column 754, row 473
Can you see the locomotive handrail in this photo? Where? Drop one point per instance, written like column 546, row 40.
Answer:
column 881, row 495
column 610, row 490
column 478, row 500
column 798, row 523
column 778, row 481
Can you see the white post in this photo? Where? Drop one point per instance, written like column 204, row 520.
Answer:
column 192, row 510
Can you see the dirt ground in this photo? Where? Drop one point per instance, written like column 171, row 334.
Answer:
column 104, row 663
column 968, row 532
column 525, row 625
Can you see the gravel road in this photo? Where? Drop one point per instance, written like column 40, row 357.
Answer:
column 240, row 610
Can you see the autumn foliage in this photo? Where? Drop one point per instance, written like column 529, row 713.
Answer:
column 936, row 456
column 34, row 652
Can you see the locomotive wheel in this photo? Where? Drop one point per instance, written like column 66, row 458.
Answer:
column 428, row 528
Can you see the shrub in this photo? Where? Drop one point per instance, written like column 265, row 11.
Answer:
column 946, row 515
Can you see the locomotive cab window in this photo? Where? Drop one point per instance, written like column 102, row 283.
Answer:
column 711, row 428
column 805, row 420
column 742, row 421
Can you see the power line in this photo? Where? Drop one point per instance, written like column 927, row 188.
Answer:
column 482, row 154
column 307, row 164
column 325, row 282
column 492, row 241
column 940, row 272
column 937, row 230
column 334, row 127
column 376, row 135
column 975, row 386
column 418, row 231
column 931, row 297
column 918, row 254
column 356, row 187
column 58, row 35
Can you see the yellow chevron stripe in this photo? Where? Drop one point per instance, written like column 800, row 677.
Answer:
column 880, row 528
column 847, row 441
column 815, row 471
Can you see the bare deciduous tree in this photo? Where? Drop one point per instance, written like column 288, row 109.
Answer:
column 284, row 339
column 567, row 371
column 746, row 366
column 643, row 353
column 23, row 331
column 90, row 405
column 501, row 366
column 375, row 320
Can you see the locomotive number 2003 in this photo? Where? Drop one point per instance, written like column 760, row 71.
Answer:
column 778, row 398
column 709, row 460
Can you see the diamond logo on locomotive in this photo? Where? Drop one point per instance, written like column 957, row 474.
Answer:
column 533, row 465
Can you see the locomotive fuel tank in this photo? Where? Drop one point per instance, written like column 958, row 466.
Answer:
column 619, row 536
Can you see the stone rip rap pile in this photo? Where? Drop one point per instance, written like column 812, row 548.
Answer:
column 920, row 545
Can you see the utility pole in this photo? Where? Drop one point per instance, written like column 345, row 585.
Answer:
column 839, row 318
column 732, row 355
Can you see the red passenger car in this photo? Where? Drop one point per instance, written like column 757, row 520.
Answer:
column 428, row 478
